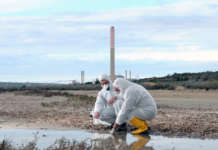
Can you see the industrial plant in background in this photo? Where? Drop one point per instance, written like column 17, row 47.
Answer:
column 113, row 75
column 112, row 53
column 82, row 77
column 126, row 75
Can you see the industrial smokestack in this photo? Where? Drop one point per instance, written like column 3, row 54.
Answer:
column 112, row 53
column 82, row 77
column 130, row 75
column 126, row 74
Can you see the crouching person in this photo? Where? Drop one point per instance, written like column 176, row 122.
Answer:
column 108, row 103
column 138, row 106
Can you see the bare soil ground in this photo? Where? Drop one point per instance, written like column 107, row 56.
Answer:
column 191, row 113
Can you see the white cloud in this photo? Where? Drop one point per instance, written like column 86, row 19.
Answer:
column 20, row 52
column 181, row 53
column 174, row 38
column 184, row 32
column 185, row 8
column 90, row 57
column 191, row 53
column 78, row 28
column 7, row 6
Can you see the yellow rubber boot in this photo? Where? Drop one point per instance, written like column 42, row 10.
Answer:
column 140, row 124
column 142, row 141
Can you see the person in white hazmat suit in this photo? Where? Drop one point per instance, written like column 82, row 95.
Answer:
column 108, row 102
column 138, row 106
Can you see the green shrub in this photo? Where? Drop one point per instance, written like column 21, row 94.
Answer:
column 160, row 86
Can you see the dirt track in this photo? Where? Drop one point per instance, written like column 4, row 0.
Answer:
column 181, row 112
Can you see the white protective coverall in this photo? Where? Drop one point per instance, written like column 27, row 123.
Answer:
column 108, row 112
column 137, row 102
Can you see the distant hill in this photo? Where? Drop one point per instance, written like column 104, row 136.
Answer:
column 19, row 86
column 202, row 80
column 201, row 76
column 22, row 84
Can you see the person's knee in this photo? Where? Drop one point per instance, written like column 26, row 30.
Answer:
column 108, row 119
column 143, row 115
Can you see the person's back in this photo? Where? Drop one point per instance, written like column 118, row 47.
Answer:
column 143, row 100
column 138, row 105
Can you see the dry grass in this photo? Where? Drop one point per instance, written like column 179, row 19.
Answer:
column 64, row 144
column 186, row 122
column 7, row 145
column 76, row 101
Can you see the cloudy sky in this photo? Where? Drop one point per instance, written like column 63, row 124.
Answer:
column 53, row 40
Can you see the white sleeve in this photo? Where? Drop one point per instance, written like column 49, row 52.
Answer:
column 100, row 103
column 130, row 100
column 119, row 97
column 110, row 94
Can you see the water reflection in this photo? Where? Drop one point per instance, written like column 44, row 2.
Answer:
column 120, row 141
column 128, row 141
column 141, row 142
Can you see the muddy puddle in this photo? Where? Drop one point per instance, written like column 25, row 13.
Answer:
column 45, row 138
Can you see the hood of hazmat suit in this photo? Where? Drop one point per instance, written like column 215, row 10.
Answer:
column 104, row 77
column 123, row 85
